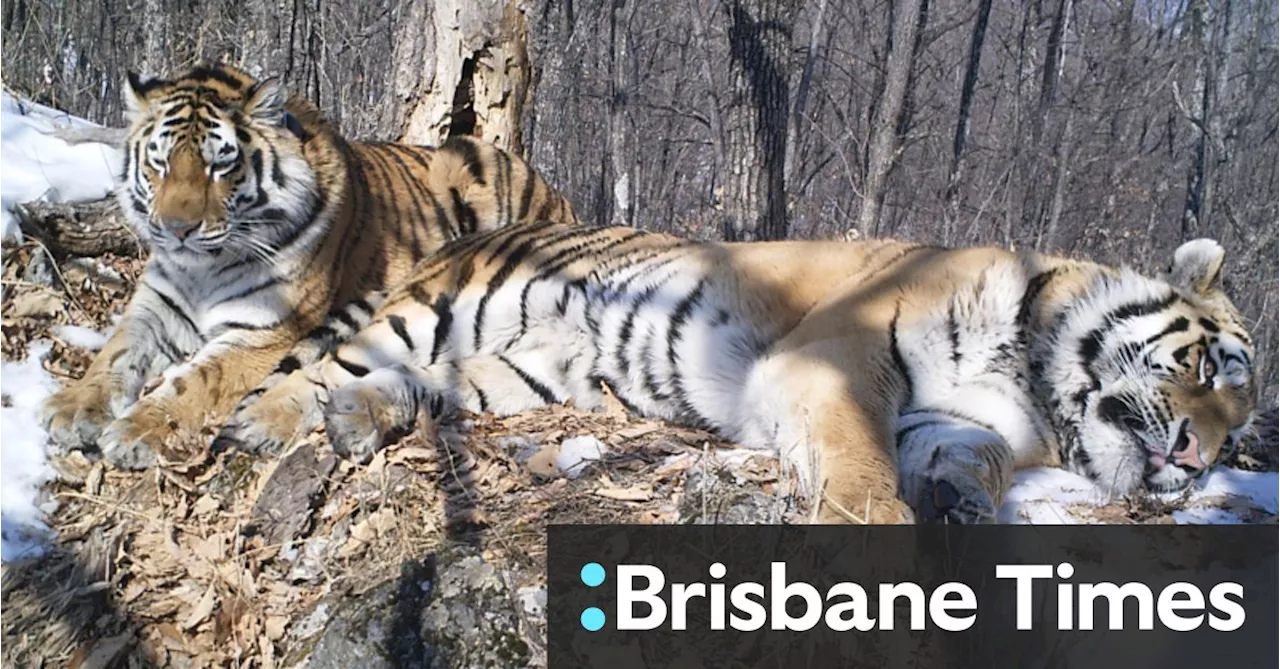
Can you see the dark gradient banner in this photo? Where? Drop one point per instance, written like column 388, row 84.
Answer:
column 624, row 597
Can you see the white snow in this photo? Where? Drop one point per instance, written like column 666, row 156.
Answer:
column 80, row 336
column 1046, row 496
column 577, row 452
column 22, row 458
column 35, row 165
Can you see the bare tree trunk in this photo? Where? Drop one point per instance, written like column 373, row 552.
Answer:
column 1198, row 208
column 759, row 62
column 477, row 79
column 883, row 143
column 620, row 155
column 802, row 89
column 1053, row 60
column 951, row 198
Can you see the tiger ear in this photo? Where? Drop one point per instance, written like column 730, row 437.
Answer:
column 266, row 100
column 135, row 94
column 1197, row 266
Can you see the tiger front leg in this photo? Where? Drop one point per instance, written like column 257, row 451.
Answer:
column 205, row 387
column 143, row 344
column 833, row 432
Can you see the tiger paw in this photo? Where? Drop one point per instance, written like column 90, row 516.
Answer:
column 134, row 440
column 955, row 500
column 75, row 416
column 267, row 423
column 358, row 419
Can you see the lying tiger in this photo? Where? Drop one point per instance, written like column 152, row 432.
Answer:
column 902, row 382
column 271, row 238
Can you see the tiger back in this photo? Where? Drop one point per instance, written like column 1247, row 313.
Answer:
column 272, row 238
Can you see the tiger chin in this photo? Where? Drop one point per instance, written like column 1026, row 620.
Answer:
column 899, row 382
column 272, row 238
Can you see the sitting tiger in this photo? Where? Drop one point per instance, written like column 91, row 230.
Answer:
column 902, row 382
column 268, row 232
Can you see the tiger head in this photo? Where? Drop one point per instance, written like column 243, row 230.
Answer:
column 216, row 161
column 1155, row 378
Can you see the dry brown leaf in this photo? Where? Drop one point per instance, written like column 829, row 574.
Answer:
column 378, row 464
column 638, row 493
column 212, row 548
column 366, row 531
column 205, row 506
column 613, row 407
column 35, row 304
column 106, row 651
column 543, row 463
column 630, row 433
column 276, row 626
column 202, row 610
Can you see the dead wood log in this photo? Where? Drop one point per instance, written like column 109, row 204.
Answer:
column 86, row 229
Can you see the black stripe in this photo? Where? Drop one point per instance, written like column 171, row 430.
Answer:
column 215, row 74
column 508, row 267
column 255, row 160
column 443, row 308
column 288, row 365
column 468, row 222
column 1179, row 324
column 362, row 305
column 679, row 318
column 502, row 188
column 420, row 156
column 587, row 246
column 351, row 367
column 628, row 326
column 526, row 196
column 895, row 351
column 470, row 156
column 536, row 386
column 271, row 281
column 343, row 317
column 416, row 188
column 1090, row 345
column 238, row 325
column 953, row 332
column 480, row 395
column 397, row 323
column 173, row 306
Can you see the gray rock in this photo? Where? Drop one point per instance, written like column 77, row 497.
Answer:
column 451, row 610
column 719, row 497
column 282, row 511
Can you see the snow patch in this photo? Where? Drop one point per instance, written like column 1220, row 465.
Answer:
column 23, row 468
column 39, row 166
column 80, row 336
column 578, row 452
column 1046, row 496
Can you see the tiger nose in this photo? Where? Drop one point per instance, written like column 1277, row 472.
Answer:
column 181, row 228
column 1190, row 455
